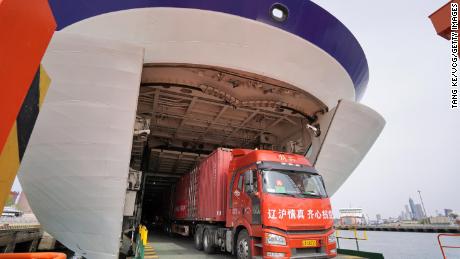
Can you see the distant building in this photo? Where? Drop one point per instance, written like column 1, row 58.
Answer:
column 352, row 216
column 412, row 208
column 405, row 215
column 447, row 212
column 419, row 212
column 391, row 220
column 378, row 217
column 408, row 213
column 416, row 210
column 440, row 220
column 402, row 216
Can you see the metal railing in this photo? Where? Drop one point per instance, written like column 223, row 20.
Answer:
column 356, row 238
column 4, row 227
column 446, row 246
column 141, row 242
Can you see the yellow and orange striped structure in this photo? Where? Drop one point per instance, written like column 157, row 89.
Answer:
column 45, row 255
column 26, row 29
column 16, row 143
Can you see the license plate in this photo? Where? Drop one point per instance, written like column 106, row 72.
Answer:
column 309, row 243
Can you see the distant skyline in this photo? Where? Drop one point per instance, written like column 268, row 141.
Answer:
column 409, row 85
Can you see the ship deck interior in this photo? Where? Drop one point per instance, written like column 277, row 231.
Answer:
column 186, row 111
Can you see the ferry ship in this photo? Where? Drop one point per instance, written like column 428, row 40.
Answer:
column 156, row 85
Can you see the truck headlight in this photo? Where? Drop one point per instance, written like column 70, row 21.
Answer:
column 273, row 239
column 331, row 238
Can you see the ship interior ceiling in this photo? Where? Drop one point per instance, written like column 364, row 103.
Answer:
column 186, row 111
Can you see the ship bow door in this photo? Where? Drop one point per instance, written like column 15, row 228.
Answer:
column 347, row 133
column 75, row 169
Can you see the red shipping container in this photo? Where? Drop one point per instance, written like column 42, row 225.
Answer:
column 201, row 194
column 181, row 197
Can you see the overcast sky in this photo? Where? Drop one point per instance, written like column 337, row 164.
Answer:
column 409, row 85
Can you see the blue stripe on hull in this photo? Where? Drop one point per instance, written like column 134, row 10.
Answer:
column 306, row 20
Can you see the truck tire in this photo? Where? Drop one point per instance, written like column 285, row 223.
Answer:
column 208, row 241
column 243, row 245
column 198, row 239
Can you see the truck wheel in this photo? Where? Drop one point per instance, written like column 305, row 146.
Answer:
column 243, row 245
column 208, row 243
column 198, row 239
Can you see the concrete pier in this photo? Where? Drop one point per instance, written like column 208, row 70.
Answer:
column 167, row 247
column 19, row 237
column 404, row 228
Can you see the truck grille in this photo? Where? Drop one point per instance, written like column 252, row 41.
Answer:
column 317, row 252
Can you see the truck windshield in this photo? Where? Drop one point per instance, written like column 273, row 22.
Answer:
column 293, row 183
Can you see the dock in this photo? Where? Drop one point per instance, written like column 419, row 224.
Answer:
column 19, row 237
column 403, row 228
column 167, row 247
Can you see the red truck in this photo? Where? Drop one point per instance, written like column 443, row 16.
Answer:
column 256, row 203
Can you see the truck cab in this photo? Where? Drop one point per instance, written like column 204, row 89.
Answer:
column 278, row 207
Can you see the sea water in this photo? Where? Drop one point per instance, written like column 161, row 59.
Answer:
column 402, row 244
